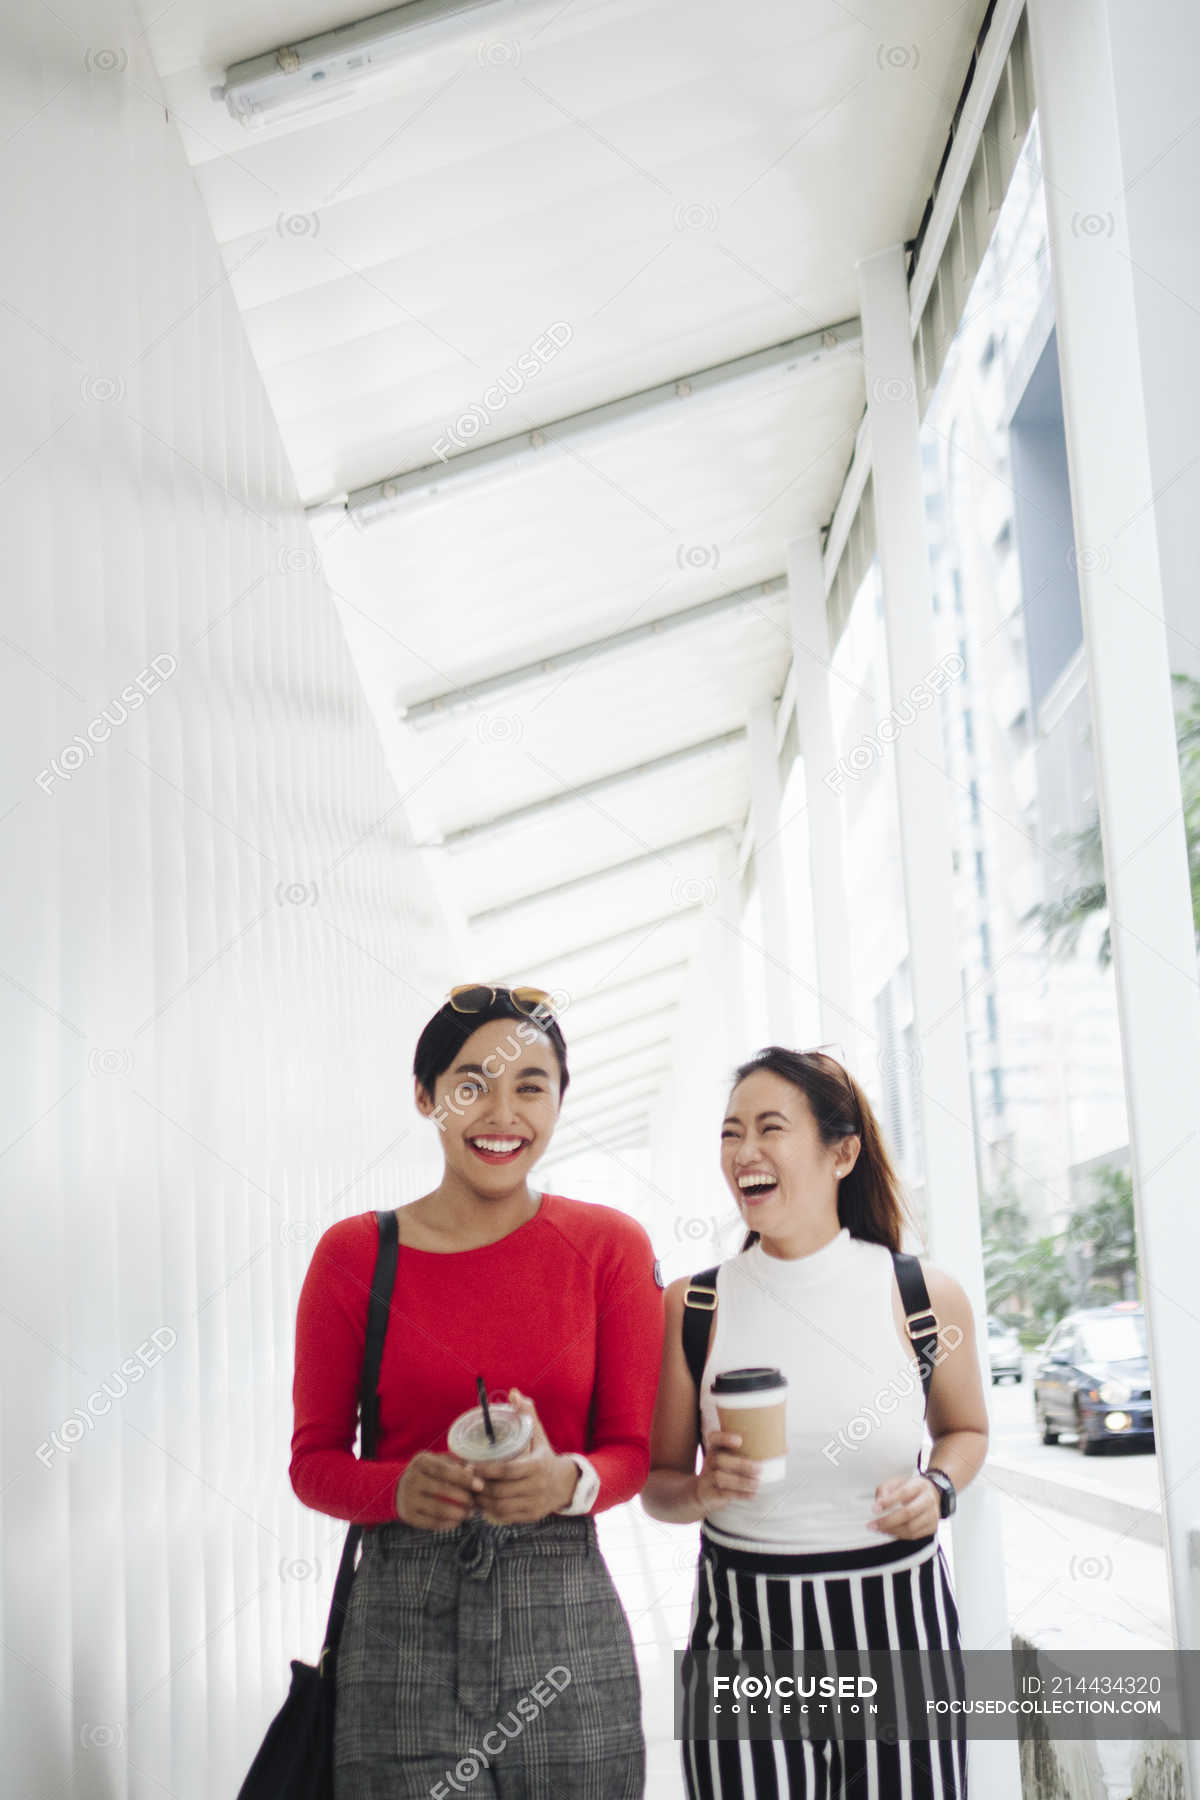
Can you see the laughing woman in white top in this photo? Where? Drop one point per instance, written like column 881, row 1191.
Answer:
column 842, row 1554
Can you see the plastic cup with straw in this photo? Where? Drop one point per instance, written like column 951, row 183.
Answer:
column 490, row 1433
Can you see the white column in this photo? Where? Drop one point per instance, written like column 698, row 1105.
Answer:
column 925, row 848
column 1099, row 130
column 811, row 653
column 765, row 817
column 727, row 949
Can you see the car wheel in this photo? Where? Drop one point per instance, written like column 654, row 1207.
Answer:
column 1048, row 1436
column 995, row 1381
column 1019, row 1377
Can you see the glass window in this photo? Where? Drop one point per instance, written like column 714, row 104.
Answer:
column 1120, row 1339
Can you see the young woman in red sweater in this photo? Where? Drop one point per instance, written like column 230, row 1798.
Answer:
column 485, row 1650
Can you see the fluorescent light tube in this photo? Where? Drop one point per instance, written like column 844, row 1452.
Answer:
column 328, row 67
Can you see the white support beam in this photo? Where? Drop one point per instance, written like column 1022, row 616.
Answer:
column 585, row 790
column 577, row 881
column 1117, row 201
column 848, row 501
column 585, row 1073
column 645, row 929
column 623, row 1024
column 991, row 57
column 925, row 846
column 475, row 693
column 950, row 187
column 766, row 818
column 811, row 659
column 587, row 1114
column 613, row 1084
column 722, row 946
column 700, row 390
column 632, row 1133
column 632, row 981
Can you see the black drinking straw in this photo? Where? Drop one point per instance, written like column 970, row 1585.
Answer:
column 487, row 1417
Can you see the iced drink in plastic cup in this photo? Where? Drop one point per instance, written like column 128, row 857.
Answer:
column 468, row 1436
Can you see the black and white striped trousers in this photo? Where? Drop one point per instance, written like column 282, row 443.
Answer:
column 750, row 1600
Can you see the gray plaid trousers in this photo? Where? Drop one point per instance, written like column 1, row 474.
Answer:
column 490, row 1660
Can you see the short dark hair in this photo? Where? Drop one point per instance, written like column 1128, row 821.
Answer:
column 448, row 1030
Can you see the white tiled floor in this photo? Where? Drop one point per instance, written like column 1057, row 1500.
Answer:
column 654, row 1568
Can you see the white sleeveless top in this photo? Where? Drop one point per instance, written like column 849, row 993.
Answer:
column 855, row 1405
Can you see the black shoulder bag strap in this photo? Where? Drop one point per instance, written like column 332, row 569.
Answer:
column 699, row 1305
column 368, row 1415
column 920, row 1320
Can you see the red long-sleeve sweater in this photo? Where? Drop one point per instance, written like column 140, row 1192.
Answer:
column 567, row 1308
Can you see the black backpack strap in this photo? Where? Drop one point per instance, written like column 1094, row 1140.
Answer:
column 699, row 1305
column 921, row 1322
column 378, row 1307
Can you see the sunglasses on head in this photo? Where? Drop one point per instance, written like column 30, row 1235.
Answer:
column 476, row 996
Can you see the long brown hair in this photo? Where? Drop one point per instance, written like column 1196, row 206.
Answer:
column 870, row 1202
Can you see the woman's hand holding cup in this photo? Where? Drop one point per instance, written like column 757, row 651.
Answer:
column 724, row 1475
column 436, row 1492
column 531, row 1485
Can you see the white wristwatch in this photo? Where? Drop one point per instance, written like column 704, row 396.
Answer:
column 586, row 1487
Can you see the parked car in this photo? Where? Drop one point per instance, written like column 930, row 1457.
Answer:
column 1004, row 1353
column 1092, row 1378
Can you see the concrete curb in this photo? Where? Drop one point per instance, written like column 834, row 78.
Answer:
column 1131, row 1521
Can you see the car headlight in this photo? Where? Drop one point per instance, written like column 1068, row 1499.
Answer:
column 1114, row 1393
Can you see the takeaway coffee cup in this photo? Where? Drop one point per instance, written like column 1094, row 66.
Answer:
column 468, row 1436
column 754, row 1403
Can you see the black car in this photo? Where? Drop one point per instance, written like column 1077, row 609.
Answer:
column 1092, row 1378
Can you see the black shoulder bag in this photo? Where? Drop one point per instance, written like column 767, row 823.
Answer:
column 295, row 1761
column 920, row 1320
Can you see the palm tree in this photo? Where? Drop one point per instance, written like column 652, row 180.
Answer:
column 1063, row 919
column 1103, row 1232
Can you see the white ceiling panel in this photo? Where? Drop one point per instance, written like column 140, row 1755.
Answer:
column 671, row 188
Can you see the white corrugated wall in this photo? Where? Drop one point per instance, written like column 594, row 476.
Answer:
column 212, row 964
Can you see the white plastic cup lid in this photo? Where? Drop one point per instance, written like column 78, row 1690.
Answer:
column 468, row 1436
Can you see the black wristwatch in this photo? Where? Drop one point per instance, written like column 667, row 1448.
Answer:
column 948, row 1499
